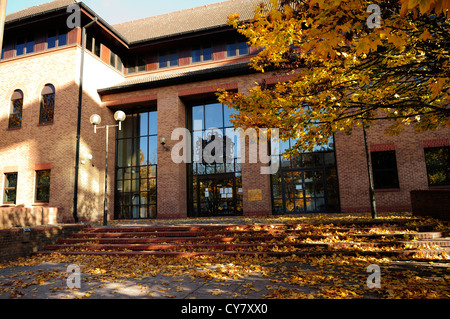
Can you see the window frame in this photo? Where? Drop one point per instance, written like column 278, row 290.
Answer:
column 57, row 34
column 37, row 186
column 201, row 53
column 234, row 49
column 384, row 170
column 168, row 59
column 42, row 108
column 433, row 167
column 5, row 188
column 14, row 114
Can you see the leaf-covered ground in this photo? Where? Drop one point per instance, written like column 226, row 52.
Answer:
column 221, row 277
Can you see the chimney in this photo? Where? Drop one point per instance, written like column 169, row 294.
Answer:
column 2, row 21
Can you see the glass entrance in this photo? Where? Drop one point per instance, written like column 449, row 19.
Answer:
column 216, row 195
column 215, row 187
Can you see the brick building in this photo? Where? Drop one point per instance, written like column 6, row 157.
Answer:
column 163, row 71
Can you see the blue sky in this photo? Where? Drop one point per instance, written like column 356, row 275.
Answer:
column 117, row 11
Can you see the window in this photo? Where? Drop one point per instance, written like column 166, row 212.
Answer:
column 62, row 37
column 43, row 186
column 437, row 160
column 56, row 38
column 115, row 61
column 141, row 65
column 47, row 105
column 10, row 188
column 137, row 160
column 51, row 39
column 15, row 117
column 20, row 47
column 231, row 49
column 97, row 48
column 29, row 45
column 89, row 42
column 201, row 54
column 243, row 48
column 168, row 59
column 136, row 64
column 112, row 59
column 384, row 167
column 237, row 48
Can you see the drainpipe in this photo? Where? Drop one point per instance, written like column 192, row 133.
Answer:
column 80, row 104
column 2, row 21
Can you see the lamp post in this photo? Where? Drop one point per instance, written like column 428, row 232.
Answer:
column 95, row 120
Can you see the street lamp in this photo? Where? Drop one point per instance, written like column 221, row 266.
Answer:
column 95, row 120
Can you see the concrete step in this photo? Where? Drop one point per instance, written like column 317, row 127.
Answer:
column 399, row 238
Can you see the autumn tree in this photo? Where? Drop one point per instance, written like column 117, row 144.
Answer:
column 351, row 63
column 344, row 71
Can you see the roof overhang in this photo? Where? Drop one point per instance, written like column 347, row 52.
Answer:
column 150, row 82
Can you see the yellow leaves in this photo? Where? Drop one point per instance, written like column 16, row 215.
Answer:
column 424, row 7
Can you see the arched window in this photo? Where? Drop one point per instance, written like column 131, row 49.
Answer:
column 47, row 111
column 15, row 117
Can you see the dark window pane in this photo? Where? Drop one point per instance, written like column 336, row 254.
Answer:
column 30, row 44
column 119, row 64
column 207, row 53
column 89, row 42
column 20, row 47
column 97, row 47
column 384, row 167
column 10, row 196
column 196, row 55
column 47, row 108
column 141, row 65
column 231, row 49
column 11, row 180
column 162, row 61
column 43, row 186
column 131, row 66
column 174, row 59
column 62, row 38
column 243, row 48
column 112, row 59
column 15, row 119
column 437, row 160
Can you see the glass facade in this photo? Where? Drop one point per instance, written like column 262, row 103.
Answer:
column 136, row 167
column 215, row 187
column 307, row 183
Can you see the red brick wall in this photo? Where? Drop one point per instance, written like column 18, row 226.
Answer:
column 15, row 243
column 352, row 169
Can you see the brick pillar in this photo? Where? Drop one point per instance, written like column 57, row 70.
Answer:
column 257, row 199
column 172, row 193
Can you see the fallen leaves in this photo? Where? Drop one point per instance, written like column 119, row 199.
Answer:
column 320, row 276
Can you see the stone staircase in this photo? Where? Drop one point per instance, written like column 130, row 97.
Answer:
column 394, row 238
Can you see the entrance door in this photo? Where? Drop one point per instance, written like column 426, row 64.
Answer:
column 304, row 191
column 216, row 195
